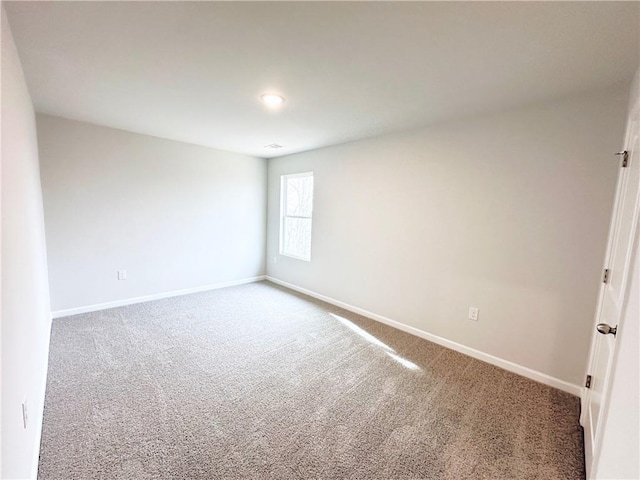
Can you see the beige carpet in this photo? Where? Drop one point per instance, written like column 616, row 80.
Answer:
column 256, row 382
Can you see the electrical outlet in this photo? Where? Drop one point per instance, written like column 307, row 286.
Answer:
column 275, row 259
column 122, row 274
column 473, row 313
column 25, row 413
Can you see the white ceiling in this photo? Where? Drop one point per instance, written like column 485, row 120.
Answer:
column 194, row 71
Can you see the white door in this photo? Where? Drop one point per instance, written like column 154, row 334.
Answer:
column 613, row 292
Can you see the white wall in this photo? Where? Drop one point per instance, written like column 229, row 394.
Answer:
column 507, row 212
column 174, row 215
column 26, row 317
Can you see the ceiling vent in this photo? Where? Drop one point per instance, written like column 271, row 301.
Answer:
column 275, row 146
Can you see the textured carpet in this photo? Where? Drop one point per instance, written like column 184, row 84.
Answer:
column 257, row 382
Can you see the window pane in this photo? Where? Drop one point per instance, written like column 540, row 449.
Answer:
column 297, row 237
column 299, row 196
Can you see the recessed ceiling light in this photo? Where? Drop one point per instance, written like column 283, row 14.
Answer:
column 271, row 99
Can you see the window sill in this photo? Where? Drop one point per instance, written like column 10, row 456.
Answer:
column 304, row 259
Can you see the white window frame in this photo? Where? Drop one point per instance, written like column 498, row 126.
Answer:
column 283, row 209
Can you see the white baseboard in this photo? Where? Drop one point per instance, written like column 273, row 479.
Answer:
column 155, row 296
column 485, row 357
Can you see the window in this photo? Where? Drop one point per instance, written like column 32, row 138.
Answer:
column 296, row 206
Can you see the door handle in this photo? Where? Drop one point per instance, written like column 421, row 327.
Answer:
column 605, row 329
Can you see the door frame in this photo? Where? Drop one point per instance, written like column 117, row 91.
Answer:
column 592, row 452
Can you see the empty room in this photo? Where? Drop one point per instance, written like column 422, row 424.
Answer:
column 320, row 240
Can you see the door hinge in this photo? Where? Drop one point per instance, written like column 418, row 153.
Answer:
column 605, row 277
column 625, row 158
column 587, row 384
